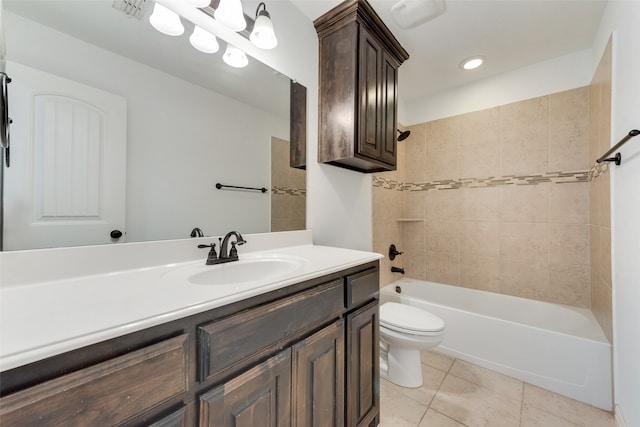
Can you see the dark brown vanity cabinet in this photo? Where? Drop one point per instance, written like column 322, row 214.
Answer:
column 304, row 355
column 359, row 61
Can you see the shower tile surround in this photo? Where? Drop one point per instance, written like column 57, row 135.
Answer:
column 500, row 200
column 288, row 190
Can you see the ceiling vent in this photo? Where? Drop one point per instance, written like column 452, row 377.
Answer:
column 411, row 13
column 132, row 8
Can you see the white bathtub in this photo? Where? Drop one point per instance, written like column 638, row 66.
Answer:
column 556, row 347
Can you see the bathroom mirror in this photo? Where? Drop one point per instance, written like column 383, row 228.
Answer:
column 185, row 122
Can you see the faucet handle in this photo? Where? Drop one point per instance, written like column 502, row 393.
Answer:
column 234, row 252
column 212, row 253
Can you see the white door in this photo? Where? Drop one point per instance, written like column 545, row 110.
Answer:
column 66, row 183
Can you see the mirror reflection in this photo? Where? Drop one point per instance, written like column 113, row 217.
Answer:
column 118, row 128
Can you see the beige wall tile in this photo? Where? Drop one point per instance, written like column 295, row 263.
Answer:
column 569, row 130
column 604, row 255
column 569, row 244
column 524, row 133
column 480, row 143
column 480, row 204
column 524, row 278
column 415, row 265
column 524, row 203
column 480, row 239
column 443, row 267
column 595, row 91
column 604, row 197
column 443, row 237
column 415, row 147
column 569, row 203
column 443, row 149
column 479, row 272
column 413, row 237
column 528, row 242
column 594, row 203
column 601, row 295
column 570, row 285
column 443, row 205
column 413, row 204
column 443, row 134
column 594, row 250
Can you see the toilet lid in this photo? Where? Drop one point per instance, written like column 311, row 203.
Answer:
column 410, row 319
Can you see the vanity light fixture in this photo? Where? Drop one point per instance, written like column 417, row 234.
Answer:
column 230, row 14
column 472, row 63
column 203, row 40
column 166, row 21
column 235, row 57
column 200, row 3
column 263, row 35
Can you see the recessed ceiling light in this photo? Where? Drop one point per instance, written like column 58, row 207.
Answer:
column 472, row 63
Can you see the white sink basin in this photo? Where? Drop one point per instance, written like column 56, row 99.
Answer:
column 250, row 268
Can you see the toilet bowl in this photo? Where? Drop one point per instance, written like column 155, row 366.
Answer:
column 404, row 331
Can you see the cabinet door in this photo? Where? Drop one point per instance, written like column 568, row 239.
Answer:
column 318, row 379
column 370, row 96
column 388, row 109
column 259, row 397
column 363, row 366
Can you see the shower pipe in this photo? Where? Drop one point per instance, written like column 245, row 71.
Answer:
column 618, row 157
column 220, row 186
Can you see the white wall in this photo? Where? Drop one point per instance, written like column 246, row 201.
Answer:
column 544, row 78
column 622, row 18
column 181, row 138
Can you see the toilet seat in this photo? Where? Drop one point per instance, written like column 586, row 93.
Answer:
column 409, row 320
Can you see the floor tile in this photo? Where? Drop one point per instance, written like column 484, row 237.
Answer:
column 568, row 409
column 475, row 406
column 436, row 359
column 431, row 377
column 533, row 417
column 435, row 419
column 396, row 409
column 503, row 384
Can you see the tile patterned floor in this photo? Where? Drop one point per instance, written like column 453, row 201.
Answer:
column 459, row 394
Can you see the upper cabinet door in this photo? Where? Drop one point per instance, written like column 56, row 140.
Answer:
column 66, row 184
column 371, row 100
column 388, row 109
column 359, row 59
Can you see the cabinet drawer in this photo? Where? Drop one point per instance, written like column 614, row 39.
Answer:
column 243, row 338
column 361, row 287
column 109, row 393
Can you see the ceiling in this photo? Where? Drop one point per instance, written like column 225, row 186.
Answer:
column 511, row 34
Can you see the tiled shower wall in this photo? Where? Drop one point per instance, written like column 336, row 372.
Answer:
column 496, row 200
column 600, row 194
column 288, row 190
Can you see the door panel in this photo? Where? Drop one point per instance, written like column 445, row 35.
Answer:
column 66, row 184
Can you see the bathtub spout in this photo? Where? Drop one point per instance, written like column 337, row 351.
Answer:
column 397, row 270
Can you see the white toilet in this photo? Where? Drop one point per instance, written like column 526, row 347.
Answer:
column 404, row 331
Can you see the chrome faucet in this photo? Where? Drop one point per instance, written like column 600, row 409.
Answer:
column 226, row 255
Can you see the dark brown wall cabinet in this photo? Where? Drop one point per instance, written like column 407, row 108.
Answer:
column 305, row 355
column 359, row 60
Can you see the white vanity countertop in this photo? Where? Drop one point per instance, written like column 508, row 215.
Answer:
column 45, row 318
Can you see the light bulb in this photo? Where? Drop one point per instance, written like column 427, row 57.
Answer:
column 203, row 40
column 262, row 34
column 166, row 21
column 230, row 14
column 234, row 57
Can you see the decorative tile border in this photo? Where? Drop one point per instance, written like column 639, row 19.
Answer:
column 285, row 191
column 598, row 169
column 491, row 181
